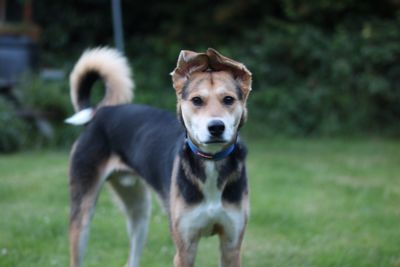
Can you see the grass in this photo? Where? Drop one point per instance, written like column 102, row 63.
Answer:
column 313, row 203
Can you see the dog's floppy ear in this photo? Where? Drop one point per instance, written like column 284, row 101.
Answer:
column 239, row 71
column 188, row 62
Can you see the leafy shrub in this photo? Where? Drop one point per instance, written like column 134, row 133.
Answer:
column 307, row 81
column 45, row 104
column 13, row 130
column 51, row 100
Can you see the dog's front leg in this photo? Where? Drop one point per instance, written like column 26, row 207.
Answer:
column 186, row 249
column 185, row 239
column 230, row 253
column 232, row 236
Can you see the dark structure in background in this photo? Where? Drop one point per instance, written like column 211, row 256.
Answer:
column 19, row 54
column 117, row 25
column 19, row 38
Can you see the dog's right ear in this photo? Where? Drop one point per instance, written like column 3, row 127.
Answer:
column 188, row 62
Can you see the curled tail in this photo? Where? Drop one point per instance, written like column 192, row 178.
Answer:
column 108, row 65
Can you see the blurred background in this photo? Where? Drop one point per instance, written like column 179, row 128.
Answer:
column 323, row 129
column 321, row 68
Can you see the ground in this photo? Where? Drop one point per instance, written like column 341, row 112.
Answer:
column 315, row 203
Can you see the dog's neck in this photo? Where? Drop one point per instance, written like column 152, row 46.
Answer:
column 224, row 153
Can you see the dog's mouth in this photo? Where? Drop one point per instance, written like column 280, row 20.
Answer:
column 215, row 141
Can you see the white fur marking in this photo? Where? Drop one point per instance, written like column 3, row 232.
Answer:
column 127, row 181
column 81, row 117
column 138, row 231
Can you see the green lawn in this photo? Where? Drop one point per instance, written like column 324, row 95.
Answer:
column 313, row 203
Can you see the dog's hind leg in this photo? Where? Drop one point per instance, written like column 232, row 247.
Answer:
column 84, row 194
column 135, row 200
column 88, row 171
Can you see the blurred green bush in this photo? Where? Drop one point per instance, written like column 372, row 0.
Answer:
column 13, row 130
column 36, row 119
column 311, row 82
column 319, row 67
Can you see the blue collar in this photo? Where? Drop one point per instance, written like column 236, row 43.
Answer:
column 207, row 156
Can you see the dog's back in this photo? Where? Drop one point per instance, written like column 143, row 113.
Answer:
column 143, row 138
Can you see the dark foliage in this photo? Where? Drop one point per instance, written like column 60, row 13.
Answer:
column 320, row 67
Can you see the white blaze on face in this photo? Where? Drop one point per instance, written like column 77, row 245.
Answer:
column 211, row 88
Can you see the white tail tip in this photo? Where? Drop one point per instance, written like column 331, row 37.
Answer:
column 81, row 117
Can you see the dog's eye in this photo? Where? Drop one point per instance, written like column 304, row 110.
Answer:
column 197, row 101
column 228, row 100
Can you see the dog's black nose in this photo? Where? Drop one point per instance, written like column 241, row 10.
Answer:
column 216, row 127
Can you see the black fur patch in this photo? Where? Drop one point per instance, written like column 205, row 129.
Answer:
column 189, row 191
column 91, row 151
column 231, row 164
column 195, row 164
column 227, row 169
column 234, row 170
column 234, row 191
column 85, row 88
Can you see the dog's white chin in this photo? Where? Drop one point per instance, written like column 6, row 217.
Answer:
column 211, row 147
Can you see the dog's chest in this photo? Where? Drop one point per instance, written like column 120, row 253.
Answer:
column 212, row 194
column 210, row 212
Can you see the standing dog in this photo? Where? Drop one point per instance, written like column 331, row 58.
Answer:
column 195, row 164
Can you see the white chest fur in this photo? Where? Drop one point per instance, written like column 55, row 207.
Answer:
column 203, row 217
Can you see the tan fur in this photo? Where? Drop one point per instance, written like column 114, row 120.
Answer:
column 242, row 75
column 112, row 67
column 114, row 163
column 190, row 175
column 191, row 62
column 185, row 253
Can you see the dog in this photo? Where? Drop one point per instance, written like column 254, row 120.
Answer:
column 194, row 161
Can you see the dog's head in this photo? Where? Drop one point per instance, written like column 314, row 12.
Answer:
column 211, row 97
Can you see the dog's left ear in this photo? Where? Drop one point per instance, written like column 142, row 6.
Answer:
column 188, row 62
column 239, row 71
